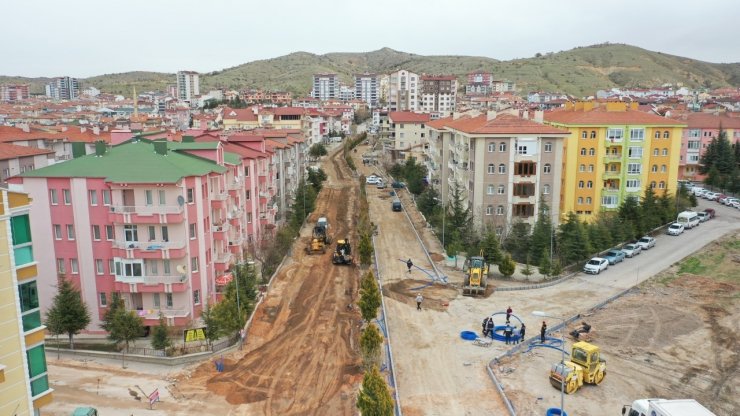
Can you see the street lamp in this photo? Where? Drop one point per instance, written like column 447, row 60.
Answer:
column 562, row 359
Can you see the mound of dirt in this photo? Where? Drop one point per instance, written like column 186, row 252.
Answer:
column 436, row 296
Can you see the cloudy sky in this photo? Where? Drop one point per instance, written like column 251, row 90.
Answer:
column 84, row 38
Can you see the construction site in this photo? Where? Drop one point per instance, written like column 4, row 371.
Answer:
column 664, row 332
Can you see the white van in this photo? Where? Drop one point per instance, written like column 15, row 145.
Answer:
column 689, row 219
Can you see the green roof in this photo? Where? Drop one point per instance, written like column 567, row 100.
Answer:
column 230, row 158
column 133, row 162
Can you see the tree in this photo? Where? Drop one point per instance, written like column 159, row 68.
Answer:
column 631, row 215
column 316, row 178
column 650, row 210
column 374, row 398
column 370, row 297
column 370, row 342
column 126, row 326
column 213, row 330
column 232, row 311
column 545, row 265
column 160, row 340
column 573, row 240
column 518, row 241
column 542, row 233
column 429, row 205
column 490, row 246
column 365, row 249
column 303, row 203
column 116, row 303
column 507, row 267
column 557, row 267
column 317, row 150
column 527, row 270
column 68, row 314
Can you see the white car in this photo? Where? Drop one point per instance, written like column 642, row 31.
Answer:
column 710, row 196
column 697, row 190
column 703, row 216
column 372, row 179
column 632, row 249
column 646, row 242
column 596, row 265
column 675, row 229
column 730, row 201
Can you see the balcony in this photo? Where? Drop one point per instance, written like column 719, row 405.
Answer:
column 612, row 190
column 146, row 214
column 222, row 261
column 219, row 196
column 149, row 250
column 612, row 174
column 220, row 231
column 612, row 157
column 235, row 184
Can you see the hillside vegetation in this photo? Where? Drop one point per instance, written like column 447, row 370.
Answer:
column 580, row 71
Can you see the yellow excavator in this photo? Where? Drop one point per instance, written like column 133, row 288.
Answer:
column 343, row 253
column 585, row 366
column 319, row 238
column 476, row 275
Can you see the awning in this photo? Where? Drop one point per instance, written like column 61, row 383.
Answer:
column 223, row 280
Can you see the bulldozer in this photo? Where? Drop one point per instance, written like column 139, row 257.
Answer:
column 476, row 275
column 319, row 240
column 343, row 253
column 585, row 366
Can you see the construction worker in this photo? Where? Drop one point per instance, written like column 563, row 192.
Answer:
column 543, row 330
column 507, row 334
column 508, row 314
column 484, row 326
column 419, row 299
column 409, row 264
column 489, row 326
column 521, row 332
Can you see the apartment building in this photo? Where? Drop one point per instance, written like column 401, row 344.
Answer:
column 63, row 88
column 701, row 129
column 15, row 159
column 24, row 383
column 438, row 95
column 615, row 151
column 479, row 83
column 403, row 91
column 407, row 134
column 503, row 86
column 11, row 93
column 367, row 88
column 160, row 222
column 325, row 87
column 188, row 85
column 504, row 165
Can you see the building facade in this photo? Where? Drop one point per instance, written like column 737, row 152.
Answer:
column 14, row 92
column 438, row 95
column 407, row 134
column 700, row 131
column 367, row 87
column 63, row 88
column 325, row 87
column 24, row 383
column 403, row 91
column 188, row 85
column 479, row 83
column 614, row 152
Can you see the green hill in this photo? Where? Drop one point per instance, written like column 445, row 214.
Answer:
column 580, row 71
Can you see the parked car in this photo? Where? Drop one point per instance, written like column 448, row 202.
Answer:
column 398, row 185
column 372, row 179
column 675, row 229
column 710, row 196
column 631, row 249
column 703, row 216
column 735, row 204
column 711, row 212
column 596, row 265
column 729, row 201
column 646, row 243
column 614, row 256
column 721, row 198
column 697, row 190
column 380, row 184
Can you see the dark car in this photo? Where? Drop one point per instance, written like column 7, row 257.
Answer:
column 398, row 185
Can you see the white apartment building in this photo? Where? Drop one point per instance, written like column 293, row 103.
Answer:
column 325, row 87
column 188, row 85
column 438, row 95
column 63, row 88
column 367, row 88
column 407, row 133
column 403, row 91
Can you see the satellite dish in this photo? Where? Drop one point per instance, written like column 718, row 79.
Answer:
column 180, row 200
column 181, row 269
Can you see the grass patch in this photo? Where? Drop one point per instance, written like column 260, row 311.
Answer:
column 691, row 265
column 90, row 346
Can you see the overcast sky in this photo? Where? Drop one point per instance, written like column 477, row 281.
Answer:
column 84, row 38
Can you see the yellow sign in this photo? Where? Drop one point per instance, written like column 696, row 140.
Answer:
column 195, row 334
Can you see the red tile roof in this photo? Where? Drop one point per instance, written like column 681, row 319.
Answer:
column 600, row 116
column 711, row 121
column 407, row 117
column 440, row 123
column 241, row 114
column 12, row 151
column 502, row 124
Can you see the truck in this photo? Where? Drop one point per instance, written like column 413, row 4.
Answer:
column 665, row 407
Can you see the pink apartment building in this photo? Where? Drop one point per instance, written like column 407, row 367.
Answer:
column 702, row 128
column 159, row 222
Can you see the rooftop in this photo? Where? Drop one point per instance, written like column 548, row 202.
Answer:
column 12, row 151
column 407, row 117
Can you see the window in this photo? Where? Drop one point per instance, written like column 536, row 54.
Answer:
column 615, row 135
column 149, row 197
column 491, row 168
column 246, row 170
column 656, row 152
column 524, row 189
column 106, row 197
column 693, row 158
column 546, row 168
column 490, row 190
column 489, row 210
column 583, row 151
column 57, row 231
column 593, row 134
column 548, row 147
column 109, row 232
column 693, row 144
column 637, row 134
column 152, row 233
column 502, row 147
column 589, row 184
column 609, row 200
column 657, row 134
column 99, row 266
column 590, row 168
column 491, row 147
column 194, row 264
column 661, row 185
column 634, row 152
column 61, row 266
column 582, row 168
column 37, row 370
column 634, row 168
column 111, row 266
column 168, row 299
column 580, row 200
column 191, row 195
column 591, row 151
column 74, row 267
column 652, row 184
column 93, row 197
column 663, row 168
column 500, row 210
column 96, row 232
column 584, row 134
column 153, row 267
column 580, row 184
column 523, row 210
column 546, row 189
column 654, row 168
column 166, row 267
column 131, row 232
column 67, row 197
column 192, row 230
column 70, row 232
column 155, row 297
column 247, row 195
column 695, row 133
column 165, row 233
column 588, row 200
column 666, row 134
column 665, row 151
column 633, row 184
column 525, row 168
column 501, row 189
column 502, row 168
column 521, row 150
column 196, row 297
column 162, row 197
column 53, row 197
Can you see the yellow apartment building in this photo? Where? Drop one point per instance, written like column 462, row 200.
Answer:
column 614, row 151
column 24, row 384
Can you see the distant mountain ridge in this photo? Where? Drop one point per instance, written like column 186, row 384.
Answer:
column 579, row 71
